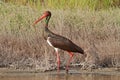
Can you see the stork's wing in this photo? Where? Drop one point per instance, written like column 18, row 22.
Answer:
column 64, row 44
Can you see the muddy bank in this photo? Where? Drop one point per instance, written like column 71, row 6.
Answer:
column 103, row 71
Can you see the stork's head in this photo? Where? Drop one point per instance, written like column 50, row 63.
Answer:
column 46, row 14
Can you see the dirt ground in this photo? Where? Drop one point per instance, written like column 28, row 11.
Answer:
column 104, row 71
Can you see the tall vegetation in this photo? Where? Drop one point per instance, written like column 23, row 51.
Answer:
column 68, row 4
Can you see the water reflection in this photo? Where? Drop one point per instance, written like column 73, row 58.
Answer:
column 60, row 77
column 85, row 77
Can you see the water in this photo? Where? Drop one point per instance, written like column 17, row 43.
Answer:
column 60, row 76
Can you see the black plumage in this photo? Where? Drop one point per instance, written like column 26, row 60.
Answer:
column 62, row 43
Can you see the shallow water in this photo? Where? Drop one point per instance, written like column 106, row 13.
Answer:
column 58, row 76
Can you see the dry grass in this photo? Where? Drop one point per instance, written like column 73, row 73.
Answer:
column 22, row 47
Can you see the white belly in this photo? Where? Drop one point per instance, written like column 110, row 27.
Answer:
column 49, row 42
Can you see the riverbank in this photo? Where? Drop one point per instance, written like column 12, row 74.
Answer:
column 103, row 71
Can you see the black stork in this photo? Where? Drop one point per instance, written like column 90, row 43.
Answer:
column 57, row 41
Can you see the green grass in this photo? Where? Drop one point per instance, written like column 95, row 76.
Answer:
column 68, row 4
column 22, row 47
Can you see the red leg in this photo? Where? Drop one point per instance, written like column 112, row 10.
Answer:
column 58, row 60
column 71, row 56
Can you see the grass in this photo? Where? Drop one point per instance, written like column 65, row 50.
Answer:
column 21, row 47
column 68, row 4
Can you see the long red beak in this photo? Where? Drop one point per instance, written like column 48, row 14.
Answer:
column 39, row 19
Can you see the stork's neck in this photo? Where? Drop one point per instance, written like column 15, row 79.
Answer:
column 46, row 23
column 47, row 20
column 47, row 32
